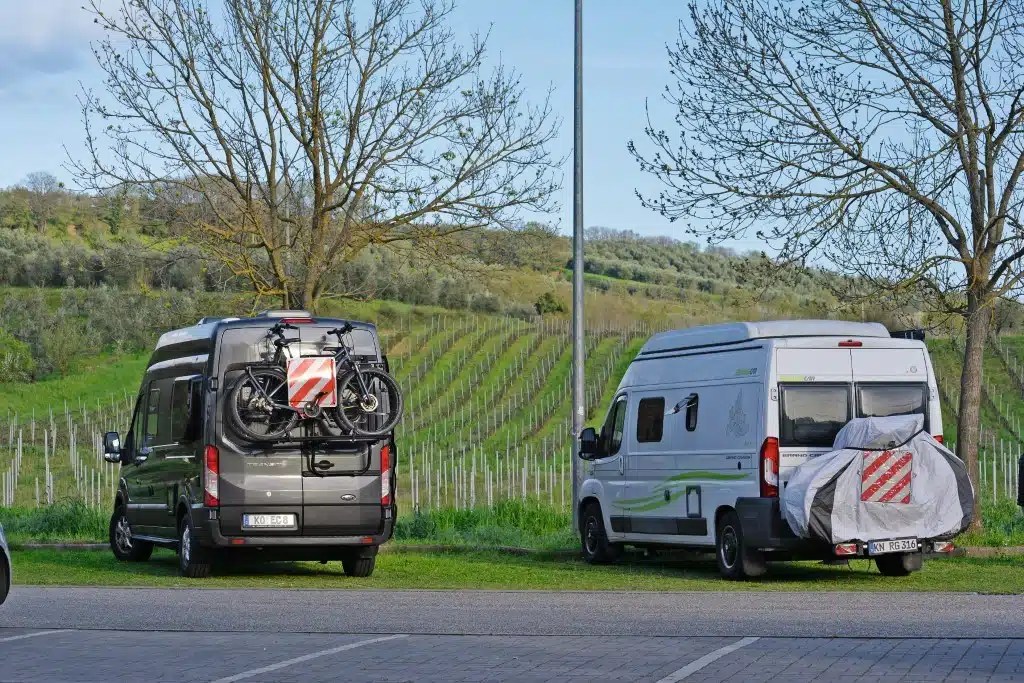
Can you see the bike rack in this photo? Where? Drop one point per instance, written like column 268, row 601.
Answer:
column 311, row 439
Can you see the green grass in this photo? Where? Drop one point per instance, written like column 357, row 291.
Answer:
column 508, row 523
column 66, row 522
column 492, row 570
column 95, row 379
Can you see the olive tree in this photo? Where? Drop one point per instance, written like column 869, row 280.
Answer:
column 882, row 138
column 289, row 135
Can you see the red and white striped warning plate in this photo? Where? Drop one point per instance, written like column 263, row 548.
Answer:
column 886, row 477
column 308, row 377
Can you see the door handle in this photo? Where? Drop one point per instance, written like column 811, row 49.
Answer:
column 622, row 465
column 323, row 465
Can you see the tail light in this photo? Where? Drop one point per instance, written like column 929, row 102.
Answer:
column 297, row 321
column 850, row 344
column 770, row 468
column 942, row 546
column 846, row 549
column 938, row 437
column 385, row 475
column 211, row 477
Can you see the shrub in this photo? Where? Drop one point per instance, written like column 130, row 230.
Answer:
column 547, row 303
column 16, row 362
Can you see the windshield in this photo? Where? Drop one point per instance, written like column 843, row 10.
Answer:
column 812, row 414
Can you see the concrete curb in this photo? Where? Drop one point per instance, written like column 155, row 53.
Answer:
column 969, row 551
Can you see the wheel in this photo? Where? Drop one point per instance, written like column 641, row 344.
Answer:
column 594, row 540
column 374, row 414
column 124, row 547
column 898, row 565
column 255, row 417
column 5, row 579
column 735, row 561
column 359, row 565
column 193, row 559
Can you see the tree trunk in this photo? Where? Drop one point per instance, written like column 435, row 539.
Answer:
column 969, row 424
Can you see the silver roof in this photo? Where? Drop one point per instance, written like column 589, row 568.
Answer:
column 734, row 333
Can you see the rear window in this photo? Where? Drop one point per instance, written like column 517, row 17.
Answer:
column 812, row 414
column 883, row 400
column 251, row 344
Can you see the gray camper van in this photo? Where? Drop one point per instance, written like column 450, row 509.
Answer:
column 189, row 481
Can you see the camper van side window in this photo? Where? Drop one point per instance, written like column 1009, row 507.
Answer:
column 179, row 409
column 692, row 403
column 152, row 417
column 650, row 419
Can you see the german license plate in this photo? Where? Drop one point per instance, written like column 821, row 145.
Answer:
column 897, row 545
column 268, row 521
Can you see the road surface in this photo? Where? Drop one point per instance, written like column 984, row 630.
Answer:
column 88, row 635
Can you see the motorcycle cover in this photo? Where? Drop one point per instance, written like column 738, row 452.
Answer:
column 886, row 478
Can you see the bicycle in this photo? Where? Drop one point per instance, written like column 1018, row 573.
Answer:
column 368, row 401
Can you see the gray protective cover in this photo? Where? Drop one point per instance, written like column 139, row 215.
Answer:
column 886, row 478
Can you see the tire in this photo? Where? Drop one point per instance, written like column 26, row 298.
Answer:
column 247, row 406
column 193, row 559
column 5, row 578
column 735, row 560
column 355, row 417
column 898, row 565
column 124, row 547
column 359, row 566
column 593, row 539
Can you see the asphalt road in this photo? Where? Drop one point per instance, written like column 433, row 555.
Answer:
column 93, row 634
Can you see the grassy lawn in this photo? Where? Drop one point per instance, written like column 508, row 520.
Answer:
column 492, row 570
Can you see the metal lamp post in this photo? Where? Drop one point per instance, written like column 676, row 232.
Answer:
column 578, row 350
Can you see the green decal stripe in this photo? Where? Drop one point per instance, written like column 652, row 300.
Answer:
column 668, row 484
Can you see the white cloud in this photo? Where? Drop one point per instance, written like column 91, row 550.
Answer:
column 41, row 37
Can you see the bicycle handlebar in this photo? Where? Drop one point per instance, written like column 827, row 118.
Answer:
column 342, row 331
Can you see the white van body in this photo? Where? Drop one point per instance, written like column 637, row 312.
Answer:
column 685, row 436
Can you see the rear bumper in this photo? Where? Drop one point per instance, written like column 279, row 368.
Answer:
column 316, row 545
column 764, row 529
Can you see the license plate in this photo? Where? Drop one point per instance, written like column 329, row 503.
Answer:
column 898, row 545
column 268, row 521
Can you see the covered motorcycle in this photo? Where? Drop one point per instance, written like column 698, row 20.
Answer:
column 885, row 479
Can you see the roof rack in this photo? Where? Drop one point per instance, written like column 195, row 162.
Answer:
column 917, row 334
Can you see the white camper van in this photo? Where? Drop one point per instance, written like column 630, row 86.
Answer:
column 709, row 422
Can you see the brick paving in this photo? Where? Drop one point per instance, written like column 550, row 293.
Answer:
column 95, row 656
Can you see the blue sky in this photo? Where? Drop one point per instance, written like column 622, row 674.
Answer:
column 45, row 60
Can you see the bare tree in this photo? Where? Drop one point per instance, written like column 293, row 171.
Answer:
column 294, row 133
column 881, row 137
column 44, row 196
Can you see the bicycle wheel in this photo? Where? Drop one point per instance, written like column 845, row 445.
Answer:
column 374, row 414
column 255, row 417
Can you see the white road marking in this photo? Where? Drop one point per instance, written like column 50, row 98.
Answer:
column 23, row 636
column 304, row 658
column 695, row 666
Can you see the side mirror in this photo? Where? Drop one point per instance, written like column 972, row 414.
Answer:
column 588, row 443
column 112, row 447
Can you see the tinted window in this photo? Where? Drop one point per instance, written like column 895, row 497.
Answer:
column 812, row 415
column 251, row 344
column 611, row 432
column 153, row 417
column 883, row 400
column 179, row 409
column 692, row 404
column 620, row 427
column 650, row 418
